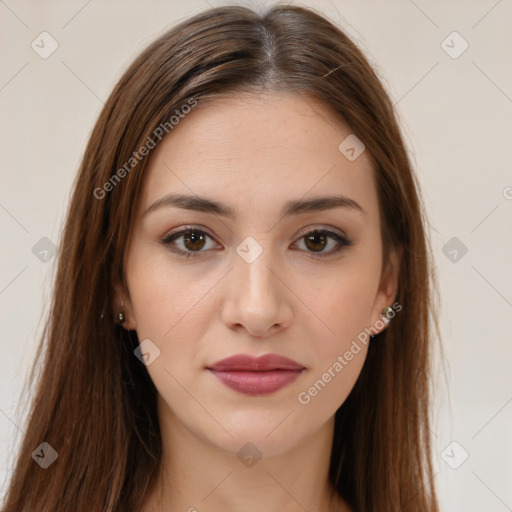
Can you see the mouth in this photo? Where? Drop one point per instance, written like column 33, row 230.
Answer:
column 256, row 376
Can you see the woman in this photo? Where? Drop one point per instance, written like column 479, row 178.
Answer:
column 241, row 315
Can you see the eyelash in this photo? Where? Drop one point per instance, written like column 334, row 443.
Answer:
column 342, row 240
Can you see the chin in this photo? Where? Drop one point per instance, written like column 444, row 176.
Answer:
column 271, row 432
column 257, row 443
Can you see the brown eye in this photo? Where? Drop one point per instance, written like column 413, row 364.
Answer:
column 188, row 242
column 316, row 242
column 194, row 240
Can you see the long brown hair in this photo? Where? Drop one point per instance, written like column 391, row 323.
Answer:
column 95, row 403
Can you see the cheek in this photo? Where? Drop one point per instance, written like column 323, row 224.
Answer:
column 172, row 307
column 341, row 347
column 162, row 298
column 344, row 302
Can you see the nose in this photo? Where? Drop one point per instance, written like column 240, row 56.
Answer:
column 257, row 298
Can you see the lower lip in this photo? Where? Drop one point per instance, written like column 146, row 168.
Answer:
column 257, row 383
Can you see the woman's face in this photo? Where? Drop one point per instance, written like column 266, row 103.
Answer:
column 248, row 276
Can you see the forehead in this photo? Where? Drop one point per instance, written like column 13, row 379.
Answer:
column 261, row 148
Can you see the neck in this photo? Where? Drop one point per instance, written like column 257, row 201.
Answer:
column 197, row 476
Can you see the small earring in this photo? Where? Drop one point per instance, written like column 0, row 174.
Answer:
column 120, row 317
column 384, row 315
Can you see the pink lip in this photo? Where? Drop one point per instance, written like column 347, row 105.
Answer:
column 256, row 375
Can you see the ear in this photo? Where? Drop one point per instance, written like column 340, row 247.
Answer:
column 388, row 286
column 122, row 304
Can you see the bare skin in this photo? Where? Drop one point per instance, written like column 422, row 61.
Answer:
column 253, row 154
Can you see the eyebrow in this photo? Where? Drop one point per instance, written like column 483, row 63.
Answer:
column 295, row 207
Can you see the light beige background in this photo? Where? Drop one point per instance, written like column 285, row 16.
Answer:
column 457, row 119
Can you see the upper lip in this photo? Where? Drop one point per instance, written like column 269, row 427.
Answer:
column 247, row 362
